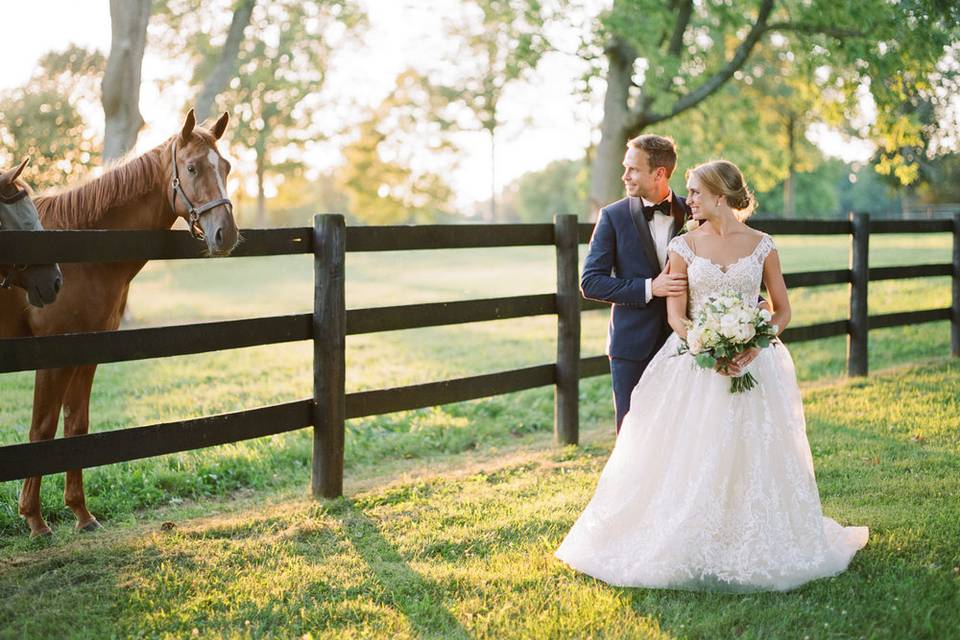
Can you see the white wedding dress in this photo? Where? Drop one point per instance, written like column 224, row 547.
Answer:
column 706, row 489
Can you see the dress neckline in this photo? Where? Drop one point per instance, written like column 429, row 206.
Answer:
column 733, row 264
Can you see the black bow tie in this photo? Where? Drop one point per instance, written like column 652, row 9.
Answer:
column 663, row 207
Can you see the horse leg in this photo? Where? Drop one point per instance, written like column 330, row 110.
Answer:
column 76, row 422
column 49, row 387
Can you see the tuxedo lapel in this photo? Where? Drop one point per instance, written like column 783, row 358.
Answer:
column 643, row 230
column 679, row 212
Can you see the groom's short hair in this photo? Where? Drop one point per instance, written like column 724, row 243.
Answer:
column 661, row 151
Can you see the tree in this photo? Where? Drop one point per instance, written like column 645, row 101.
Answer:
column 193, row 29
column 380, row 176
column 661, row 60
column 121, row 80
column 537, row 196
column 41, row 119
column 922, row 155
column 280, row 66
column 500, row 42
column 225, row 68
column 300, row 196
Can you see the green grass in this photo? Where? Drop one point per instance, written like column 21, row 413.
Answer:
column 883, row 450
column 460, row 546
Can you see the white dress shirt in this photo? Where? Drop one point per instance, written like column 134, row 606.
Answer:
column 661, row 228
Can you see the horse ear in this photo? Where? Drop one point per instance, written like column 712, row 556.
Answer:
column 221, row 125
column 19, row 170
column 7, row 177
column 188, row 124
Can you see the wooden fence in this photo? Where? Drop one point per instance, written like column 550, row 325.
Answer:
column 329, row 240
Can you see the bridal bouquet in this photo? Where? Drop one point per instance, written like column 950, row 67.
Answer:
column 724, row 327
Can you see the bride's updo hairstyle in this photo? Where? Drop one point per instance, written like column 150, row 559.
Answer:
column 723, row 178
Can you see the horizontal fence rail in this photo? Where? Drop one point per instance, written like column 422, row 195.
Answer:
column 19, row 354
column 379, row 401
column 435, row 314
column 44, row 247
column 95, row 449
column 47, row 352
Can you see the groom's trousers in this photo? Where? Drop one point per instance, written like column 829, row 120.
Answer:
column 625, row 374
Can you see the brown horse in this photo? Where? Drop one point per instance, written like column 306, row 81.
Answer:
column 41, row 282
column 148, row 192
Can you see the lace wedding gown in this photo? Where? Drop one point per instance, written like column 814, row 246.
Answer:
column 706, row 489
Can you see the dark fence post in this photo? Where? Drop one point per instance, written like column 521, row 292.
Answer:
column 955, row 320
column 860, row 276
column 329, row 345
column 566, row 417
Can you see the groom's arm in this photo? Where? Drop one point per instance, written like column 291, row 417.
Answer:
column 597, row 283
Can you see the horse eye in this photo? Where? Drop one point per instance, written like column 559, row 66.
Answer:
column 191, row 169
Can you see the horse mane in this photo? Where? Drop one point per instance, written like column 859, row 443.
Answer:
column 82, row 206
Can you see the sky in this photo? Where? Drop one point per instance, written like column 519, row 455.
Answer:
column 545, row 121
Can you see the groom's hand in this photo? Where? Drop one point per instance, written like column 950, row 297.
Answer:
column 668, row 284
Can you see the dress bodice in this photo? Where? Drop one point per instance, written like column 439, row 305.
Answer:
column 704, row 277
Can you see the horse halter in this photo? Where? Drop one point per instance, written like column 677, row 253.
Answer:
column 195, row 212
column 8, row 277
column 15, row 198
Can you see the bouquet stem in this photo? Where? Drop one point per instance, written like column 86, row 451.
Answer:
column 742, row 383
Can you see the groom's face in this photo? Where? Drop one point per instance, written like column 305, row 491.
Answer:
column 638, row 178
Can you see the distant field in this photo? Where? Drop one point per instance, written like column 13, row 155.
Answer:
column 175, row 292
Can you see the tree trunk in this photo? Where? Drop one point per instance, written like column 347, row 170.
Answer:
column 261, row 215
column 789, row 195
column 493, row 176
column 121, row 80
column 605, row 183
column 226, row 67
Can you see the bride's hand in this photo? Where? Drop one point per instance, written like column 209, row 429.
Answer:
column 724, row 367
column 740, row 361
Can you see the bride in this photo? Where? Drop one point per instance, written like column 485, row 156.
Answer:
column 706, row 489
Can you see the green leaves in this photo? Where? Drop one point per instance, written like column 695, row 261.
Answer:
column 815, row 62
column 41, row 119
column 705, row 360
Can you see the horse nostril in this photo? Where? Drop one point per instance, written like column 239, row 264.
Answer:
column 56, row 285
column 219, row 237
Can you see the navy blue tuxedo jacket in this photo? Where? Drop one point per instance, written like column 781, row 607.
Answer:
column 621, row 257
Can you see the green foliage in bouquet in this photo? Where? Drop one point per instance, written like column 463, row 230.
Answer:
column 725, row 326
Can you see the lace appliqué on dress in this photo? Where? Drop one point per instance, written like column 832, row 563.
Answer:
column 705, row 277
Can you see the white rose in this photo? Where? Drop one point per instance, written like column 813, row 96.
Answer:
column 746, row 333
column 728, row 325
column 694, row 341
column 690, row 225
column 765, row 315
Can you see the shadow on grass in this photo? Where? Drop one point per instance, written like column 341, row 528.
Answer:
column 418, row 598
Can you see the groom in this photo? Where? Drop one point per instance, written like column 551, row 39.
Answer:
column 625, row 264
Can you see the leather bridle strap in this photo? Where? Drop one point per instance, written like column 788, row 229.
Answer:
column 194, row 212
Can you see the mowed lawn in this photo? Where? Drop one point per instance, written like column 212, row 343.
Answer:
column 460, row 546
